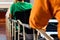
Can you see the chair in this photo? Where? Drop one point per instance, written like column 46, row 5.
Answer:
column 23, row 16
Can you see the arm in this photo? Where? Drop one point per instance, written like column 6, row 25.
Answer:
column 11, row 11
column 57, row 15
column 10, row 16
column 57, row 10
column 38, row 15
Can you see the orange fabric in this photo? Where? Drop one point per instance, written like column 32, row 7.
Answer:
column 58, row 28
column 42, row 11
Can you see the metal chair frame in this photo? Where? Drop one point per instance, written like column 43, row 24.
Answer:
column 35, row 37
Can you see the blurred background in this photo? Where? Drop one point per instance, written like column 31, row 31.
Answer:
column 5, row 4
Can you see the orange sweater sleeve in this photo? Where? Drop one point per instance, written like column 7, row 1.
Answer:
column 57, row 10
column 39, row 14
column 42, row 11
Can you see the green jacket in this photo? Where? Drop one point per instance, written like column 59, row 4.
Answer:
column 19, row 6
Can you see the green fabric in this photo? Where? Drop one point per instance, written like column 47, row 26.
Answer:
column 19, row 6
column 21, row 28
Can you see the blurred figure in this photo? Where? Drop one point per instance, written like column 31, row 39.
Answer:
column 42, row 11
column 19, row 6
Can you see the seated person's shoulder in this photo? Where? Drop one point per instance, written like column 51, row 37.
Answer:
column 28, row 4
column 13, row 4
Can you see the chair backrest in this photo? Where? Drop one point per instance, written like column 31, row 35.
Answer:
column 23, row 16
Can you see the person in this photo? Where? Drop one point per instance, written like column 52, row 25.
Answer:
column 42, row 11
column 19, row 5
